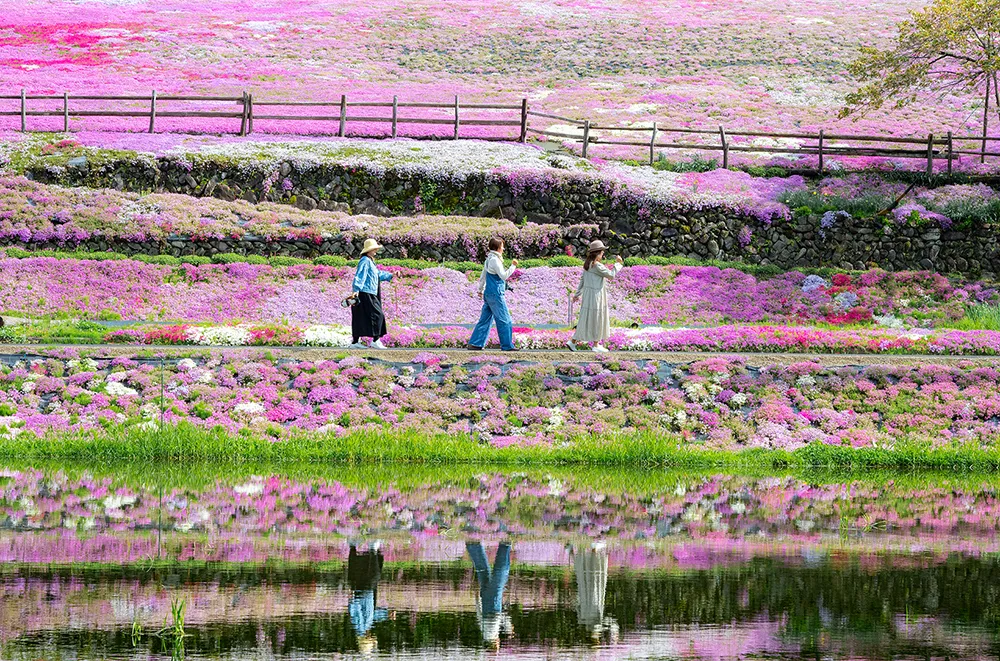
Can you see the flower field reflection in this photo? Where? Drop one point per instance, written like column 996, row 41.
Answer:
column 703, row 566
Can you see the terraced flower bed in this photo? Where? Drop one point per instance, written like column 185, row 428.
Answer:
column 497, row 405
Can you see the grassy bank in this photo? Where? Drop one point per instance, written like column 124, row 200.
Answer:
column 185, row 442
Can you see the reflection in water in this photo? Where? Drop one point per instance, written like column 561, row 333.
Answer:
column 363, row 573
column 500, row 566
column 489, row 604
column 591, row 568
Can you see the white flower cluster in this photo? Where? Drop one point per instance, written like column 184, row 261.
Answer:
column 327, row 336
column 249, row 409
column 216, row 335
column 118, row 389
column 888, row 321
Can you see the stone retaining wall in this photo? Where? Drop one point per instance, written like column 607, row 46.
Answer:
column 630, row 227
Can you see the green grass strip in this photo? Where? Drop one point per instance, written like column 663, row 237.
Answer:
column 190, row 443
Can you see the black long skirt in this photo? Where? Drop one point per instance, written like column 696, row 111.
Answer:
column 367, row 318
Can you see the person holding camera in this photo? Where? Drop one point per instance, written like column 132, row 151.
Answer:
column 594, row 324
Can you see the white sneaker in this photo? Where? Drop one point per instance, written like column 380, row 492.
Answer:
column 571, row 344
column 357, row 345
column 599, row 349
column 377, row 344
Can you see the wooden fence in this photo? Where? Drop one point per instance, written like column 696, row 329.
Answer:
column 820, row 144
column 336, row 114
column 946, row 146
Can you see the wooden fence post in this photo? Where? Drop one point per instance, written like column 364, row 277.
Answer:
column 986, row 114
column 930, row 154
column 24, row 111
column 395, row 107
column 950, row 152
column 652, row 145
column 343, row 114
column 152, row 111
column 456, row 117
column 820, row 151
column 725, row 148
column 586, row 136
column 524, row 120
column 250, row 113
column 246, row 114
column 65, row 112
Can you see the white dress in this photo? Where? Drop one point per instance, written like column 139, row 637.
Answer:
column 594, row 324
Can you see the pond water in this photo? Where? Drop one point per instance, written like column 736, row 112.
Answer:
column 467, row 563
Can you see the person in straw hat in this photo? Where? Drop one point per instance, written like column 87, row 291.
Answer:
column 594, row 324
column 367, row 317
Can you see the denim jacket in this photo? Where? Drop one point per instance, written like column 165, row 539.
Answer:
column 367, row 276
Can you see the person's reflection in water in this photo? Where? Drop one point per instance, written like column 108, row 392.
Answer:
column 591, row 568
column 363, row 573
column 489, row 605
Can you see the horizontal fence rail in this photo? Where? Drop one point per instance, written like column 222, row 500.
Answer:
column 246, row 114
column 339, row 115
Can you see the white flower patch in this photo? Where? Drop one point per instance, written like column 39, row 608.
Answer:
column 219, row 335
column 555, row 419
column 129, row 211
column 27, row 386
column 117, row 389
column 327, row 336
column 249, row 408
column 888, row 321
column 185, row 364
column 805, row 381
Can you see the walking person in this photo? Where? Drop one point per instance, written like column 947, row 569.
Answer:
column 367, row 316
column 492, row 287
column 594, row 324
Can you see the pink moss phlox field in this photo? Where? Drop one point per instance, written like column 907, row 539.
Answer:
column 719, row 507
column 716, row 403
column 311, row 294
column 748, row 64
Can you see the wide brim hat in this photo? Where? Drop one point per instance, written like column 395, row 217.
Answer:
column 370, row 244
column 596, row 246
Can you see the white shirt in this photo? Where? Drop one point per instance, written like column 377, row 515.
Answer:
column 494, row 265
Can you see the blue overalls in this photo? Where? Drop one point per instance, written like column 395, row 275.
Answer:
column 494, row 308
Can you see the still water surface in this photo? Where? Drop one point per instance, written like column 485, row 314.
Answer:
column 473, row 563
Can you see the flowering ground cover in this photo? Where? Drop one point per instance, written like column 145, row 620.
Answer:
column 305, row 294
column 490, row 406
column 522, row 167
column 35, row 213
column 749, row 65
